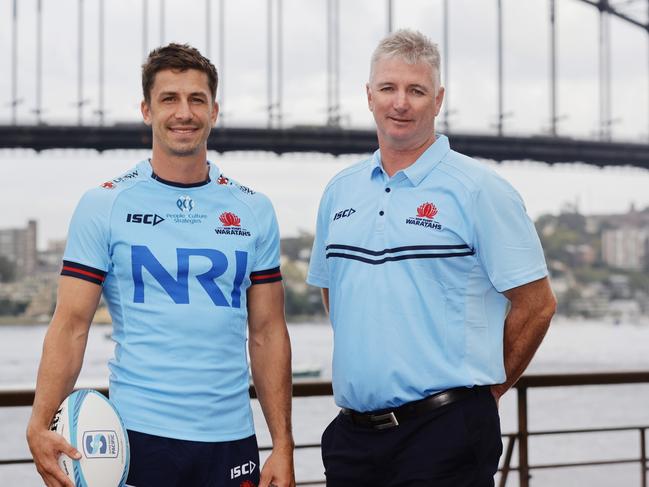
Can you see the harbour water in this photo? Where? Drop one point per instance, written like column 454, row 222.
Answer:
column 569, row 347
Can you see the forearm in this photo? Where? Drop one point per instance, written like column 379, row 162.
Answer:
column 270, row 360
column 522, row 338
column 532, row 308
column 63, row 351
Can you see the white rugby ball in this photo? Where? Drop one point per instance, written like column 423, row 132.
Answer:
column 91, row 424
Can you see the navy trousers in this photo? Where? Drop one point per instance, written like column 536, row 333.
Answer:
column 167, row 462
column 457, row 445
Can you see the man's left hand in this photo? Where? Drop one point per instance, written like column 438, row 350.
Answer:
column 278, row 470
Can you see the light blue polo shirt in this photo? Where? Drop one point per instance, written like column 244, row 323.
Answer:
column 415, row 265
column 175, row 262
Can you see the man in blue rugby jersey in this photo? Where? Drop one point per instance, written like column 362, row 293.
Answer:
column 188, row 262
column 436, row 287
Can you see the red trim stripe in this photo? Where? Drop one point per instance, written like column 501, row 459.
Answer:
column 85, row 273
column 265, row 276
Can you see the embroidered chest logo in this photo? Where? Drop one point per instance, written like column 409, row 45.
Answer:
column 344, row 213
column 231, row 225
column 425, row 217
column 186, row 205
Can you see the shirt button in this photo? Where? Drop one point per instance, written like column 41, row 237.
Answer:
column 381, row 213
column 387, row 190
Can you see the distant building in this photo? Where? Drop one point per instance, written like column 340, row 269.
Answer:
column 626, row 247
column 18, row 245
column 49, row 260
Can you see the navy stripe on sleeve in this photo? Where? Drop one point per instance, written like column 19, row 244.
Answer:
column 263, row 277
column 84, row 272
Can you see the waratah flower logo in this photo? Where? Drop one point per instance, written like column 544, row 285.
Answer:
column 230, row 219
column 427, row 210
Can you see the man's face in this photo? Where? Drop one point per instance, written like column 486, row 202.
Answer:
column 404, row 101
column 181, row 112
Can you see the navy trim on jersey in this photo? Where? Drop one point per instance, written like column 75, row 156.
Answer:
column 395, row 250
column 80, row 271
column 180, row 185
column 263, row 277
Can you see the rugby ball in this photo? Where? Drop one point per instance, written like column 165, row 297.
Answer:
column 91, row 424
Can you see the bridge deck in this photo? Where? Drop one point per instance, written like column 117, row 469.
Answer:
column 329, row 140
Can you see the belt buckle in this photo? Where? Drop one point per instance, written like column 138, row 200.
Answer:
column 390, row 417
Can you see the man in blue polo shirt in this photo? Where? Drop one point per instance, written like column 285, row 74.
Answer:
column 436, row 287
column 188, row 262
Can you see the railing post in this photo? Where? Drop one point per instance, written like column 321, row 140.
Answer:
column 643, row 458
column 523, row 463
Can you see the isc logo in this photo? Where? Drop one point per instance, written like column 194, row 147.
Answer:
column 148, row 219
column 178, row 288
column 344, row 213
column 245, row 469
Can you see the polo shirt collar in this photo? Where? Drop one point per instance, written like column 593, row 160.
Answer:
column 418, row 170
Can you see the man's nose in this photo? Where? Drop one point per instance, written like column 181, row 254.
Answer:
column 401, row 102
column 183, row 111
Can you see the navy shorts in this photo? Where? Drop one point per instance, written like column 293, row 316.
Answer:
column 167, row 462
column 457, row 445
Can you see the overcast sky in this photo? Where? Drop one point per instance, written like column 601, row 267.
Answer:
column 295, row 182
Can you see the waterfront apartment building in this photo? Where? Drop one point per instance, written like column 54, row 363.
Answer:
column 626, row 247
column 18, row 245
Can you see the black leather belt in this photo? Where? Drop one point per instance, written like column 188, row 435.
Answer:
column 389, row 418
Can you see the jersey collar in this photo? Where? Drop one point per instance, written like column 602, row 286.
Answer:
column 422, row 167
column 144, row 170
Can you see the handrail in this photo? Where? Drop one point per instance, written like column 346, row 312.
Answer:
column 11, row 396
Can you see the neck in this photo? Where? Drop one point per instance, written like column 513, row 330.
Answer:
column 180, row 169
column 395, row 159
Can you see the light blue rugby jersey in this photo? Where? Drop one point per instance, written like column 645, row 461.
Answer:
column 175, row 263
column 415, row 265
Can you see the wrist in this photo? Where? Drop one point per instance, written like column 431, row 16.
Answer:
column 284, row 445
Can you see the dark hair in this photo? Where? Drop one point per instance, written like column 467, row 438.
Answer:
column 178, row 57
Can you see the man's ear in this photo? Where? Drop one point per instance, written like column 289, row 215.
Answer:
column 146, row 112
column 215, row 113
column 370, row 103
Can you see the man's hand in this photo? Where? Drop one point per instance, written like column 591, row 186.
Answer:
column 46, row 447
column 278, row 470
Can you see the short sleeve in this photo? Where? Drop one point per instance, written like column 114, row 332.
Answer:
column 266, row 268
column 318, row 272
column 87, row 253
column 506, row 242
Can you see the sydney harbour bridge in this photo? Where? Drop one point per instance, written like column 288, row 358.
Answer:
column 27, row 122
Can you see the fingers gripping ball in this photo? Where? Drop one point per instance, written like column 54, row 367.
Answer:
column 91, row 424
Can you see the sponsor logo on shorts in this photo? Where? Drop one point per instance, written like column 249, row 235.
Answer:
column 344, row 213
column 100, row 444
column 231, row 225
column 243, row 469
column 425, row 217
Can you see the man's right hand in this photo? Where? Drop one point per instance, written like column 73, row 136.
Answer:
column 46, row 447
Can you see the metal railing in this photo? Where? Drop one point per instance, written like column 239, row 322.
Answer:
column 12, row 396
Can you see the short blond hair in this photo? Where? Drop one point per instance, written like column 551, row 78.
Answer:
column 413, row 47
